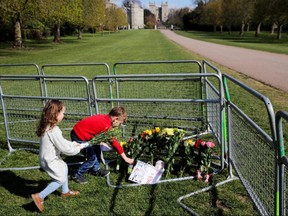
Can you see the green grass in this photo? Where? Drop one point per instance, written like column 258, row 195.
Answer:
column 96, row 197
column 264, row 42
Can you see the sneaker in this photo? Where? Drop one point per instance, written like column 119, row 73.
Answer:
column 38, row 201
column 79, row 179
column 100, row 172
column 70, row 193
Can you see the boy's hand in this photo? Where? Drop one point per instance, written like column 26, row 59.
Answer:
column 129, row 161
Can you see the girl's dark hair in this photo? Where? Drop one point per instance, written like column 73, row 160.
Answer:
column 49, row 116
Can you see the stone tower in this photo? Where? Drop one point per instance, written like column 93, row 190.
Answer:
column 135, row 14
column 164, row 12
column 161, row 13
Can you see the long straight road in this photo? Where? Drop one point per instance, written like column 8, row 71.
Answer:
column 268, row 68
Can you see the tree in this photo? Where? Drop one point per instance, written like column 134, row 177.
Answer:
column 278, row 14
column 177, row 17
column 149, row 19
column 121, row 17
column 231, row 14
column 260, row 14
column 213, row 11
column 78, row 18
column 17, row 12
column 245, row 11
column 54, row 13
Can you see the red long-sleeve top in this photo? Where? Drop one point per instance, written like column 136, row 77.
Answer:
column 89, row 127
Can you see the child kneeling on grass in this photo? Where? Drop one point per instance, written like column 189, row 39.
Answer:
column 52, row 144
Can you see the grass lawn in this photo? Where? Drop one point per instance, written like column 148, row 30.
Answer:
column 264, row 42
column 96, row 197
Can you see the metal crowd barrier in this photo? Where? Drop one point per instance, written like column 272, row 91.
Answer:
column 191, row 98
column 23, row 98
column 251, row 147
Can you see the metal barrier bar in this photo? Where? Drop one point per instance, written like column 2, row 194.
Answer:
column 251, row 149
column 77, row 65
column 282, row 163
column 26, row 65
column 134, row 88
column 88, row 70
column 143, row 66
column 212, row 90
column 22, row 106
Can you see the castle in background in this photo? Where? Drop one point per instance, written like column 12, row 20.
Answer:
column 135, row 13
column 135, row 16
column 161, row 13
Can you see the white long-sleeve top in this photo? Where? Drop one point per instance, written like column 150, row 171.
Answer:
column 52, row 144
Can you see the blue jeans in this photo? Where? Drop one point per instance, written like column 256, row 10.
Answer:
column 92, row 154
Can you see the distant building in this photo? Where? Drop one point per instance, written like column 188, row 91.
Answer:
column 161, row 13
column 110, row 3
column 135, row 14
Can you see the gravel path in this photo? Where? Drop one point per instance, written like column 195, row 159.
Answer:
column 268, row 68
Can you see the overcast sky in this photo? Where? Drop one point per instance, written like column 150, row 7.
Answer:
column 171, row 3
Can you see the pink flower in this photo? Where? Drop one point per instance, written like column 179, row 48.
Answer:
column 203, row 143
column 210, row 144
column 207, row 177
column 198, row 174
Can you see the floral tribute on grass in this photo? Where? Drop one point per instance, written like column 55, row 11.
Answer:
column 180, row 154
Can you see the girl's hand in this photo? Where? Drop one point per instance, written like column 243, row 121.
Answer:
column 83, row 145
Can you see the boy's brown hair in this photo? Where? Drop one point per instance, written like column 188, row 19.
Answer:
column 118, row 111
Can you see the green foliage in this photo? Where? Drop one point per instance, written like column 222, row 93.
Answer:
column 106, row 136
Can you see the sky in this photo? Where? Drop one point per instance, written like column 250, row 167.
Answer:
column 171, row 3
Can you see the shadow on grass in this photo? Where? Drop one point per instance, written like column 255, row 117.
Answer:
column 22, row 187
column 152, row 200
column 122, row 177
column 115, row 192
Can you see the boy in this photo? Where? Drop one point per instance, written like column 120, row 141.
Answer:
column 84, row 130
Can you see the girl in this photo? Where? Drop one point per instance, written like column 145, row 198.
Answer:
column 52, row 143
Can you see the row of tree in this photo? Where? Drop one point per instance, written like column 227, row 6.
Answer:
column 51, row 14
column 233, row 14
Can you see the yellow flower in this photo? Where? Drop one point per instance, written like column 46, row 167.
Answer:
column 148, row 132
column 123, row 143
column 190, row 142
column 157, row 130
column 168, row 131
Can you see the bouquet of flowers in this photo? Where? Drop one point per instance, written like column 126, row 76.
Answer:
column 107, row 136
column 156, row 143
column 204, row 158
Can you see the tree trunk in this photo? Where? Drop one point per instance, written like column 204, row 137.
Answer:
column 257, row 32
column 214, row 28
column 273, row 28
column 279, row 32
column 221, row 29
column 79, row 33
column 242, row 29
column 248, row 27
column 229, row 29
column 56, row 33
column 18, row 35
